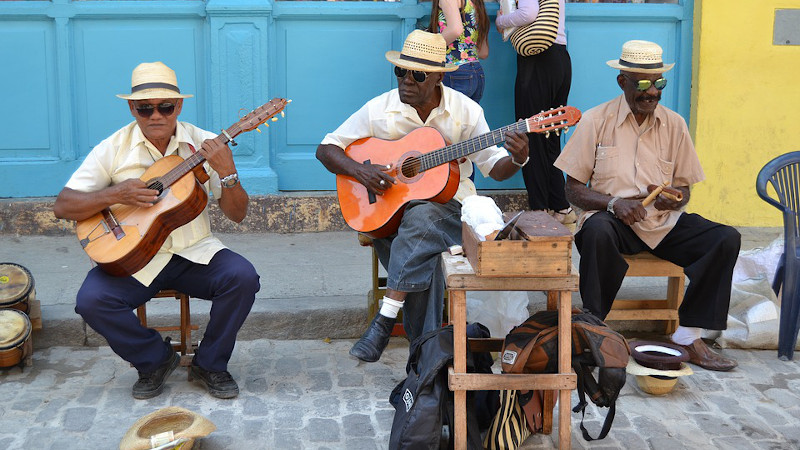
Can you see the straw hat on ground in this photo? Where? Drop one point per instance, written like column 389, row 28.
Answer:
column 640, row 57
column 184, row 426
column 652, row 380
column 422, row 51
column 153, row 80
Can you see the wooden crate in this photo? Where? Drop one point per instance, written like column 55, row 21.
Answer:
column 540, row 246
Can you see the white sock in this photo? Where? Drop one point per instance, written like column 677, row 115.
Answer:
column 686, row 335
column 390, row 307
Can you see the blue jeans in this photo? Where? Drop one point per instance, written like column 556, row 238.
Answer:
column 468, row 79
column 106, row 303
column 413, row 263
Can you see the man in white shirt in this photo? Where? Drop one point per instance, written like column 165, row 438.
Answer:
column 191, row 260
column 411, row 255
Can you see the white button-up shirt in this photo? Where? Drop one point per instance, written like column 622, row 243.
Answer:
column 127, row 154
column 457, row 118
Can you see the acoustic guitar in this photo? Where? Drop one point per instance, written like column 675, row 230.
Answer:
column 122, row 239
column 425, row 168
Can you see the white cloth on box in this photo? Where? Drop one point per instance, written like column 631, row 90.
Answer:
column 482, row 214
column 499, row 311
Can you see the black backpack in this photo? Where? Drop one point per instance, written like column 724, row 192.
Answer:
column 532, row 347
column 423, row 403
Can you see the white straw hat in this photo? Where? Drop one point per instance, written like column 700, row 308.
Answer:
column 423, row 51
column 153, row 80
column 640, row 57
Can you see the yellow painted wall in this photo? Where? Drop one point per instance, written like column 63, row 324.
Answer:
column 745, row 106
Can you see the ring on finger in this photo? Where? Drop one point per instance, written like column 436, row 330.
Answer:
column 383, row 182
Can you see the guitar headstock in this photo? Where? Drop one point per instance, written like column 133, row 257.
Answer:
column 553, row 120
column 258, row 116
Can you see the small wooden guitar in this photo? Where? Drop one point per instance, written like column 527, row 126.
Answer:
column 425, row 168
column 122, row 239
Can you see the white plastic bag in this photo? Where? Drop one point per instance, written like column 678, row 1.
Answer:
column 482, row 214
column 499, row 311
column 758, row 262
column 753, row 317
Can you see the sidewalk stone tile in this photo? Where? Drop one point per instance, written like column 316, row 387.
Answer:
column 254, row 406
column 287, row 392
column 51, row 410
column 361, row 444
column 79, row 419
column 320, row 381
column 351, row 380
column 287, row 440
column 327, row 406
column 733, row 443
column 322, row 430
column 715, row 425
column 358, row 425
column 754, row 427
column 288, row 417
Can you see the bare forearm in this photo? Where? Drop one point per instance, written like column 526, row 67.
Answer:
column 504, row 169
column 76, row 205
column 234, row 203
column 335, row 160
column 580, row 195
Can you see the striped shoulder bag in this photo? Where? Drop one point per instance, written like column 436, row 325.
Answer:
column 540, row 34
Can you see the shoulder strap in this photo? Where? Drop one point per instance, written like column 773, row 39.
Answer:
column 583, row 373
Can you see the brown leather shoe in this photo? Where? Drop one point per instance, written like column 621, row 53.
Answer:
column 701, row 355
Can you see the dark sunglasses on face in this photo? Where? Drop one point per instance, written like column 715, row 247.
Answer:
column 643, row 85
column 146, row 109
column 419, row 77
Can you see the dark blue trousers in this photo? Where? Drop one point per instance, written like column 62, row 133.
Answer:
column 107, row 304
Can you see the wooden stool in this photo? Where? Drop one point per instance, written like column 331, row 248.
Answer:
column 185, row 346
column 645, row 264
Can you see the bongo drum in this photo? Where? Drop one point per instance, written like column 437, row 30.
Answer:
column 15, row 334
column 16, row 287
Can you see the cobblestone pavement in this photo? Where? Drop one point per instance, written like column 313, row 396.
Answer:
column 309, row 394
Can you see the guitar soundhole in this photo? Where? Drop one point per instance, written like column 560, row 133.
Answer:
column 157, row 185
column 410, row 167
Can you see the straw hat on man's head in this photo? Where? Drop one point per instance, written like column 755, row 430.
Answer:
column 422, row 51
column 153, row 80
column 640, row 57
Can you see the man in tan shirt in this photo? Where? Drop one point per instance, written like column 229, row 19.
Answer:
column 191, row 260
column 619, row 149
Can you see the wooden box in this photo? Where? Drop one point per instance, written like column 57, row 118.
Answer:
column 539, row 246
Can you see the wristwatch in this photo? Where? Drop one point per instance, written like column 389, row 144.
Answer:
column 610, row 207
column 230, row 180
column 523, row 162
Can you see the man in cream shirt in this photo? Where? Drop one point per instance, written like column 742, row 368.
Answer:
column 191, row 260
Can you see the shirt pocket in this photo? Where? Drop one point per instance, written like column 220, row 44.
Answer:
column 606, row 162
column 666, row 168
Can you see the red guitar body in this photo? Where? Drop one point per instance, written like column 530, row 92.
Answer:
column 379, row 216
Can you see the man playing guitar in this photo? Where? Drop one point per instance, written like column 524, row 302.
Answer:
column 427, row 228
column 191, row 259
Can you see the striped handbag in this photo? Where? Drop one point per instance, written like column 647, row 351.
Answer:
column 540, row 34
column 508, row 429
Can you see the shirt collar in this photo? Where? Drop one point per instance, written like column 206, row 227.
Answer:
column 396, row 105
column 181, row 136
column 623, row 111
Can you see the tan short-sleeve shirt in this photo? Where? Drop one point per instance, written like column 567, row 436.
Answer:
column 617, row 157
column 457, row 118
column 127, row 154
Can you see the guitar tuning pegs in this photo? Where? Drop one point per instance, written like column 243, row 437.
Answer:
column 283, row 114
column 266, row 124
column 566, row 129
column 558, row 132
column 547, row 134
column 258, row 130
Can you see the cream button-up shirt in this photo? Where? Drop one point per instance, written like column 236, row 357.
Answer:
column 617, row 157
column 457, row 118
column 127, row 154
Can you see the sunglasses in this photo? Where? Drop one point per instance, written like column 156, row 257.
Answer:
column 419, row 77
column 643, row 85
column 146, row 109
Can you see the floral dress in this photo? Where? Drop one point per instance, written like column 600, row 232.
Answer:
column 465, row 48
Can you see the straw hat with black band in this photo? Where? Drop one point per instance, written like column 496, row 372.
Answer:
column 153, row 80
column 422, row 51
column 170, row 427
column 640, row 57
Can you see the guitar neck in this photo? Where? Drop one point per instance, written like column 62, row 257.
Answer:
column 473, row 145
column 190, row 163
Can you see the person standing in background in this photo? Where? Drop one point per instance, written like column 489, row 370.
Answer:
column 464, row 26
column 543, row 83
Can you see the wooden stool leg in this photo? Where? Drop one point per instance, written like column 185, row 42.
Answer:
column 186, row 326
column 141, row 313
column 675, row 287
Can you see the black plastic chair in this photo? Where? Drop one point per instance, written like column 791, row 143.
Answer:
column 783, row 173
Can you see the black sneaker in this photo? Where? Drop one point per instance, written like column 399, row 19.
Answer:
column 152, row 384
column 219, row 384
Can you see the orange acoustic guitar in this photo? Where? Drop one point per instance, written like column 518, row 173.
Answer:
column 122, row 239
column 425, row 168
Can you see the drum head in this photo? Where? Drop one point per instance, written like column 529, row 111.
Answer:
column 15, row 327
column 15, row 284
